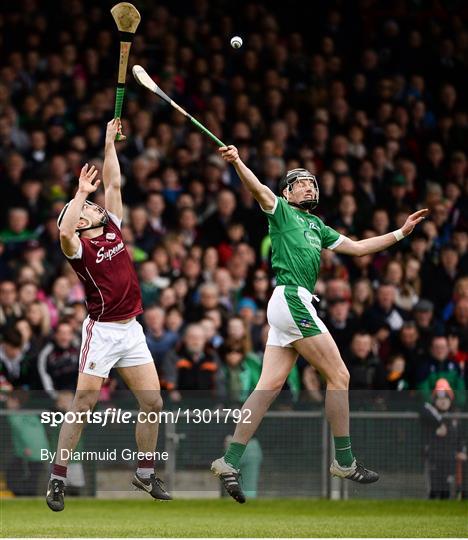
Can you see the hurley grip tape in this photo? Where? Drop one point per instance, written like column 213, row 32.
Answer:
column 119, row 97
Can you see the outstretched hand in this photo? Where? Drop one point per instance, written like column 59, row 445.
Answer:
column 87, row 182
column 229, row 153
column 413, row 220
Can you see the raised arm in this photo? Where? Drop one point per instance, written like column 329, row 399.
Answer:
column 69, row 240
column 111, row 170
column 262, row 194
column 378, row 243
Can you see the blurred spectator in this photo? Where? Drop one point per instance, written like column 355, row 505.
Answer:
column 258, row 288
column 363, row 296
column 458, row 324
column 459, row 291
column 209, row 300
column 215, row 228
column 38, row 317
column 10, row 309
column 223, row 280
column 365, row 369
column 442, row 440
column 14, row 364
column 213, row 338
column 242, row 371
column 396, row 373
column 143, row 235
column 58, row 361
column 445, row 275
column 247, row 309
column 384, row 312
column 149, row 283
column 189, row 367
column 159, row 339
column 30, row 348
column 340, row 322
column 16, row 232
column 437, row 366
column 57, row 301
column 407, row 344
column 426, row 324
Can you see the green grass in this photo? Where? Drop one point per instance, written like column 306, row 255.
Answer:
column 215, row 518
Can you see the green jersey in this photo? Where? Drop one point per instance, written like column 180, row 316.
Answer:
column 297, row 238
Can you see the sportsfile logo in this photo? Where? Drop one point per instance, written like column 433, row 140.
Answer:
column 113, row 415
column 108, row 255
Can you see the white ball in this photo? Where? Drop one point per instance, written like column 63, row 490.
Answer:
column 236, row 42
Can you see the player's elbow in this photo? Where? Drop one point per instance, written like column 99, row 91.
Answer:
column 358, row 249
column 265, row 198
column 66, row 234
column 112, row 185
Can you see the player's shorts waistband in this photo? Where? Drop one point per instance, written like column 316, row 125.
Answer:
column 113, row 325
column 307, row 294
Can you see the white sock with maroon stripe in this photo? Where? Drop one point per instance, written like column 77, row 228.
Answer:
column 145, row 468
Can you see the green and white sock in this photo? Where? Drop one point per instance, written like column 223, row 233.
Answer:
column 234, row 453
column 343, row 452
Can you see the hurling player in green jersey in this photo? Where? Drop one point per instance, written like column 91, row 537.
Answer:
column 297, row 239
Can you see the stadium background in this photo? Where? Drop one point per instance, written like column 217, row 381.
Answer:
column 370, row 96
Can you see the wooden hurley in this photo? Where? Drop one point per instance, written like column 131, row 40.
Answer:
column 127, row 18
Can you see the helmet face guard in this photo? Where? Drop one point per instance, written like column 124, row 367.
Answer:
column 103, row 221
column 300, row 174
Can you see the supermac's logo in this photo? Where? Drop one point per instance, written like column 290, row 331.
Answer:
column 108, row 255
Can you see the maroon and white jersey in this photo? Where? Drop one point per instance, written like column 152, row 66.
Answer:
column 108, row 275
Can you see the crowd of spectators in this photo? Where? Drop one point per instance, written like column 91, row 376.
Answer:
column 369, row 96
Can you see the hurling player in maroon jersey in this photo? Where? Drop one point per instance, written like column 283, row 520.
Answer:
column 91, row 240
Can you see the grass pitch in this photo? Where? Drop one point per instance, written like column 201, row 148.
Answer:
column 218, row 518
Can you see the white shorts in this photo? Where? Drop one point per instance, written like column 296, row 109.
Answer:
column 106, row 345
column 292, row 316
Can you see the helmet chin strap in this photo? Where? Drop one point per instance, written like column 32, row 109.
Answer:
column 307, row 204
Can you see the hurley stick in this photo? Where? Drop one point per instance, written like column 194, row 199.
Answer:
column 145, row 80
column 127, row 18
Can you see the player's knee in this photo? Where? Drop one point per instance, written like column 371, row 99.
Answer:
column 343, row 378
column 84, row 403
column 272, row 385
column 277, row 385
column 339, row 378
column 152, row 404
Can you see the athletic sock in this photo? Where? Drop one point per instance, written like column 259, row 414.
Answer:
column 234, row 453
column 145, row 468
column 59, row 472
column 343, row 452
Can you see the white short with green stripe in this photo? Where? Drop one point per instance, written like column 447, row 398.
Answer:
column 292, row 316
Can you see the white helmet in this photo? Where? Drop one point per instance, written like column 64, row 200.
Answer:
column 103, row 221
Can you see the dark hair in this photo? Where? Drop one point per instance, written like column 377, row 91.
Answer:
column 12, row 336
